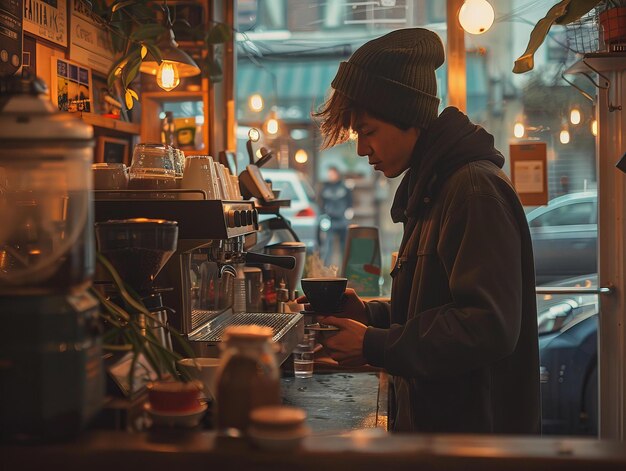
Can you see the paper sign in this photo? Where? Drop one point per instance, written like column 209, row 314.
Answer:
column 529, row 172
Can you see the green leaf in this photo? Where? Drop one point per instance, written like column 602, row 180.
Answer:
column 576, row 10
column 148, row 31
column 123, row 4
column 121, row 63
column 218, row 34
column 155, row 51
column 526, row 61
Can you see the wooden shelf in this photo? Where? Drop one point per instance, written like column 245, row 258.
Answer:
column 176, row 95
column 110, row 123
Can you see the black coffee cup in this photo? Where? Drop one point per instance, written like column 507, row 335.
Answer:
column 324, row 294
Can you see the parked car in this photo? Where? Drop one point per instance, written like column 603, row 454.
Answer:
column 568, row 352
column 303, row 212
column 565, row 236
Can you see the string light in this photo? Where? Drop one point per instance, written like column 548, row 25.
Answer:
column 476, row 16
column 272, row 126
column 255, row 102
column 594, row 127
column 173, row 64
column 564, row 136
column 575, row 116
column 518, row 130
column 301, row 156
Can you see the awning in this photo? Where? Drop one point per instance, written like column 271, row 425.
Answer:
column 302, row 85
column 294, row 79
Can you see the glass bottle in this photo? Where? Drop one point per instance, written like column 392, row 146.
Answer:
column 168, row 130
column 248, row 376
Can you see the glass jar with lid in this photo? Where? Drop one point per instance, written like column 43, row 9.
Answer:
column 248, row 376
column 46, row 220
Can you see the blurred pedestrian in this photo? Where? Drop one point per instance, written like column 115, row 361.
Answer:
column 337, row 207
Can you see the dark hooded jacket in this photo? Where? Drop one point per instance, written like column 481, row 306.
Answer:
column 460, row 334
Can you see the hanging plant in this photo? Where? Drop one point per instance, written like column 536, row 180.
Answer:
column 138, row 29
column 563, row 13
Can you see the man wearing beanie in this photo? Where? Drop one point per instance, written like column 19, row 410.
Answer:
column 459, row 337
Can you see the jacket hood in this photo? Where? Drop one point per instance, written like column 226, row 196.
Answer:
column 449, row 143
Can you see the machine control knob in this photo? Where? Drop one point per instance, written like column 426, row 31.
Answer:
column 237, row 218
column 248, row 217
column 255, row 218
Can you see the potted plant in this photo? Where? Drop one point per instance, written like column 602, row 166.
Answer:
column 138, row 28
column 125, row 331
column 612, row 21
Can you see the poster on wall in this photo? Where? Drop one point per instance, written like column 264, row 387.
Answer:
column 90, row 41
column 10, row 36
column 70, row 86
column 529, row 172
column 46, row 19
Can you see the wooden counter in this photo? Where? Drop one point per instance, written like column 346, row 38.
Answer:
column 357, row 450
column 347, row 415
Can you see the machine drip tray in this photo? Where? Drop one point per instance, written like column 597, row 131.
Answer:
column 288, row 330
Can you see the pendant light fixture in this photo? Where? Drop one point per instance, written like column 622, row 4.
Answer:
column 476, row 16
column 175, row 63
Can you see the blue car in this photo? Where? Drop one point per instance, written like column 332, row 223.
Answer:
column 568, row 350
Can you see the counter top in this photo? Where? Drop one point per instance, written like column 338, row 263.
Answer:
column 347, row 415
column 364, row 450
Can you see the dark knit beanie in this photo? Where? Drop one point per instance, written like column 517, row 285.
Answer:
column 394, row 76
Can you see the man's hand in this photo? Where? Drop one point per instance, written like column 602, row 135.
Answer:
column 352, row 307
column 346, row 345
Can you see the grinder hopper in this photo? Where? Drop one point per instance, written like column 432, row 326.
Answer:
column 137, row 248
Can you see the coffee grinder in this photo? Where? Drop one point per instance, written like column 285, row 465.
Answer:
column 51, row 380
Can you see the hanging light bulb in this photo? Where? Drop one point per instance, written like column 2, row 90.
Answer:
column 519, row 130
column 594, row 127
column 167, row 76
column 255, row 102
column 174, row 63
column 301, row 156
column 476, row 16
column 575, row 116
column 564, row 136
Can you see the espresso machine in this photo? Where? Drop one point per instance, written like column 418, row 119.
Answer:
column 204, row 273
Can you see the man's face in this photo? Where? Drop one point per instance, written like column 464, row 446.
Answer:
column 387, row 147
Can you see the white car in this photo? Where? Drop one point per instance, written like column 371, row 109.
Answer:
column 303, row 213
column 565, row 236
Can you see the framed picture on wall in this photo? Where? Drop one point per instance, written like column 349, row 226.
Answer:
column 90, row 41
column 71, row 86
column 46, row 19
column 112, row 150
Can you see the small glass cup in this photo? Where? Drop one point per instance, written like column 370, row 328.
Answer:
column 152, row 168
column 303, row 356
